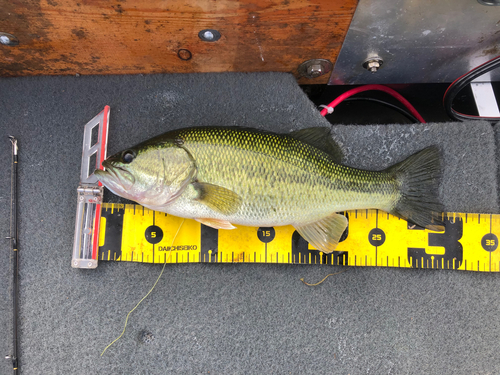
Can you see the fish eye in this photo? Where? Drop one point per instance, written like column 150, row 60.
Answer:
column 128, row 156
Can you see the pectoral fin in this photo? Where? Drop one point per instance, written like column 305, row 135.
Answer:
column 216, row 223
column 218, row 198
column 324, row 234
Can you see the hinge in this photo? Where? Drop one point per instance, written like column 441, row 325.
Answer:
column 90, row 194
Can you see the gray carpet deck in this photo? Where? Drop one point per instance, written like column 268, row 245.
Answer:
column 229, row 319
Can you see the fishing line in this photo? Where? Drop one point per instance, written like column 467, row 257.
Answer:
column 331, row 274
column 154, row 285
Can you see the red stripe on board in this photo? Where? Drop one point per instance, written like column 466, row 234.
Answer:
column 97, row 221
column 103, row 137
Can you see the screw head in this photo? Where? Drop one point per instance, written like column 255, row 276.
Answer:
column 8, row 39
column 373, row 64
column 315, row 70
column 489, row 2
column 209, row 35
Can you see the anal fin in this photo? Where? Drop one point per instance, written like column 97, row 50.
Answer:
column 324, row 234
column 216, row 223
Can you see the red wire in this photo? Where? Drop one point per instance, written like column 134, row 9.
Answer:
column 386, row 89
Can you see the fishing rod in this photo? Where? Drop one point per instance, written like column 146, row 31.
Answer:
column 14, row 241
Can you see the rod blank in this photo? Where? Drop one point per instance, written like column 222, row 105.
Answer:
column 15, row 259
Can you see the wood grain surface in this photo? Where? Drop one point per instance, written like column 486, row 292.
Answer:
column 152, row 36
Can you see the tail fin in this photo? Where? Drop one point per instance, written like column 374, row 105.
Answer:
column 418, row 179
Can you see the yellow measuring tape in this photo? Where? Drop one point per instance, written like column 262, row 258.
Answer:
column 374, row 238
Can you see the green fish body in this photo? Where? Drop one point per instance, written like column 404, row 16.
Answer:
column 224, row 176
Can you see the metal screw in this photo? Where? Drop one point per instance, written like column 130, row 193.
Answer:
column 90, row 264
column 373, row 64
column 75, row 263
column 8, row 39
column 315, row 70
column 489, row 2
column 209, row 35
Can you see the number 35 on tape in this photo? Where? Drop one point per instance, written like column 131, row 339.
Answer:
column 374, row 238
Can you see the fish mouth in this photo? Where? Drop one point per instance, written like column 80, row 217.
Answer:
column 115, row 178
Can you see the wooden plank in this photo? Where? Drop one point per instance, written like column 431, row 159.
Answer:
column 145, row 36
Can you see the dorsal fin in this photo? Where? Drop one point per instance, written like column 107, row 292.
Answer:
column 321, row 138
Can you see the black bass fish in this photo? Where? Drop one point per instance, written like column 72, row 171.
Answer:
column 226, row 176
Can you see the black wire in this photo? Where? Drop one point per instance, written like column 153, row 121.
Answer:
column 461, row 83
column 387, row 104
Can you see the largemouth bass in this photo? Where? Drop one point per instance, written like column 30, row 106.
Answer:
column 226, row 176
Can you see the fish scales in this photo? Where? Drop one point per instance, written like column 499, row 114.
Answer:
column 281, row 180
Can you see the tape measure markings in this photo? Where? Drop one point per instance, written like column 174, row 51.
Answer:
column 111, row 230
column 374, row 238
